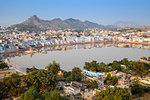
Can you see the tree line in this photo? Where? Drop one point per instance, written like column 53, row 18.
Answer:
column 124, row 65
column 39, row 84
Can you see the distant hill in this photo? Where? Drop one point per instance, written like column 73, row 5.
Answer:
column 35, row 24
column 121, row 24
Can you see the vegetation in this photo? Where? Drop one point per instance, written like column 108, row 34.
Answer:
column 41, row 83
column 92, row 84
column 41, row 79
column 54, row 67
column 33, row 94
column 67, row 76
column 124, row 65
column 11, row 86
column 3, row 65
column 30, row 28
column 95, row 66
column 76, row 74
column 53, row 95
column 139, row 68
column 113, row 94
column 3, row 93
column 137, row 89
column 111, row 80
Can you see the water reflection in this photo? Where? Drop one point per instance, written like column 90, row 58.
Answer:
column 76, row 55
column 79, row 46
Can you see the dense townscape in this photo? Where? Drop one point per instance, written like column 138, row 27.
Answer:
column 14, row 40
column 119, row 80
column 74, row 50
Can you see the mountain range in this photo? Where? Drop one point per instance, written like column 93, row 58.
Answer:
column 35, row 24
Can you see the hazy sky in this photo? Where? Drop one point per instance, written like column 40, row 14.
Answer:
column 99, row 11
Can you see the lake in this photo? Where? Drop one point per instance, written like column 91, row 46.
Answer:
column 77, row 55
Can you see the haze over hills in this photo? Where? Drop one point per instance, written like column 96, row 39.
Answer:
column 34, row 24
column 123, row 24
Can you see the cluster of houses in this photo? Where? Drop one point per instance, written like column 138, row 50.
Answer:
column 79, row 90
column 14, row 40
column 76, row 90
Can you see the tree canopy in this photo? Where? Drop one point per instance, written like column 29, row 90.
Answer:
column 67, row 76
column 113, row 94
column 76, row 74
column 139, row 68
column 137, row 89
column 11, row 86
column 111, row 80
column 53, row 95
column 92, row 84
column 53, row 67
column 3, row 65
column 42, row 79
column 95, row 66
column 33, row 94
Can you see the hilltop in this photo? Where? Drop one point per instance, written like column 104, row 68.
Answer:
column 34, row 23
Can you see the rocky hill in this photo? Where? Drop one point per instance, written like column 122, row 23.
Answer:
column 35, row 24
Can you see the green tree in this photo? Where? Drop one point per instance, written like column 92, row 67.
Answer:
column 114, row 80
column 113, row 94
column 101, row 67
column 31, row 94
column 111, row 80
column 12, row 81
column 13, row 85
column 53, row 95
column 42, row 79
column 54, row 67
column 67, row 76
column 92, row 68
column 107, row 69
column 3, row 65
column 139, row 68
column 76, row 74
column 116, row 65
column 95, row 66
column 3, row 91
column 108, row 77
column 125, row 61
column 137, row 89
column 92, row 84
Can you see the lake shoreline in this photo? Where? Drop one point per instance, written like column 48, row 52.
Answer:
column 77, row 43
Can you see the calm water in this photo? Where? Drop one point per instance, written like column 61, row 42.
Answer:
column 77, row 57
